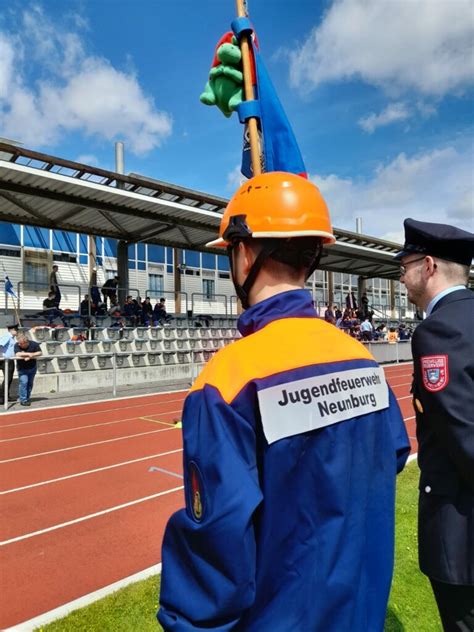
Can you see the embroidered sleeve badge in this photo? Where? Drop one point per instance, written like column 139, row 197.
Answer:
column 196, row 492
column 434, row 370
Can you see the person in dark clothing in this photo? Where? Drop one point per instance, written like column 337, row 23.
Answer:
column 147, row 311
column 436, row 260
column 351, row 302
column 51, row 310
column 109, row 290
column 54, row 285
column 364, row 305
column 26, row 352
column 130, row 311
column 160, row 315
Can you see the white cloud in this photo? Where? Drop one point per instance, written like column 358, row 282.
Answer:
column 435, row 186
column 235, row 179
column 73, row 90
column 87, row 159
column 399, row 45
column 393, row 113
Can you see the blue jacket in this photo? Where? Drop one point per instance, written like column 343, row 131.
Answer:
column 292, row 442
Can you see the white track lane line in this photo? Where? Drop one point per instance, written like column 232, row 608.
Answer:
column 84, row 445
column 100, row 401
column 62, row 525
column 85, row 600
column 105, row 423
column 95, row 412
column 86, row 472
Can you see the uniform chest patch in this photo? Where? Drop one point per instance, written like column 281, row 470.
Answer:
column 435, row 373
column 196, row 492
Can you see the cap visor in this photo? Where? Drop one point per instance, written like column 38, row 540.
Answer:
column 401, row 254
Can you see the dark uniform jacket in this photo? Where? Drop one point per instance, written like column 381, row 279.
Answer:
column 443, row 392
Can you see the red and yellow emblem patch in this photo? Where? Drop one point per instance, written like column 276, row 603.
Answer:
column 196, row 492
column 434, row 370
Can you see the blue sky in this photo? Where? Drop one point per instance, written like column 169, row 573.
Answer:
column 379, row 94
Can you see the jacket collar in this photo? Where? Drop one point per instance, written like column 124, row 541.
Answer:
column 458, row 295
column 291, row 304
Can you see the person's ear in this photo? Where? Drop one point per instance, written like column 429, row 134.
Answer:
column 430, row 265
column 247, row 257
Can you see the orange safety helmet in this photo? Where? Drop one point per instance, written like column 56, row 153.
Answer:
column 275, row 205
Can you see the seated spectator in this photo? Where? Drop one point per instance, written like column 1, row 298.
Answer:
column 114, row 311
column 147, row 312
column 138, row 309
column 392, row 335
column 87, row 308
column 101, row 309
column 329, row 316
column 337, row 312
column 130, row 311
column 380, row 332
column 403, row 332
column 160, row 315
column 366, row 329
column 109, row 290
column 51, row 310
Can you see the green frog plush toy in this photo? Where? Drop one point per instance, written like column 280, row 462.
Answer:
column 225, row 85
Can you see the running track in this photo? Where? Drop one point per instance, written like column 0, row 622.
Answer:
column 80, row 507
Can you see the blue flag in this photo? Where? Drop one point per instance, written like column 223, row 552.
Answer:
column 9, row 287
column 280, row 149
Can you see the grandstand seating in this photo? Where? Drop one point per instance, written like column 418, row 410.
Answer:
column 64, row 350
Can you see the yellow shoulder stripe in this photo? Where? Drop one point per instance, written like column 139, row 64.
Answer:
column 282, row 345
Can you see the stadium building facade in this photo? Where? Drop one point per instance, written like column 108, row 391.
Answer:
column 27, row 254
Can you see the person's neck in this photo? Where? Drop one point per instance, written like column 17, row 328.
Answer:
column 432, row 292
column 261, row 293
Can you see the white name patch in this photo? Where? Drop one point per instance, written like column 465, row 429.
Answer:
column 315, row 402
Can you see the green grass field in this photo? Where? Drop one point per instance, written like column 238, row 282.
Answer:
column 411, row 608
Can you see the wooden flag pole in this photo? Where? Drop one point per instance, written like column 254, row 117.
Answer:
column 249, row 95
column 16, row 312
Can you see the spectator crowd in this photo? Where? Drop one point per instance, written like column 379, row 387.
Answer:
column 358, row 322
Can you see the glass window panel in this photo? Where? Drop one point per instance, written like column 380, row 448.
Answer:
column 155, row 285
column 64, row 242
column 141, row 252
column 208, row 261
column 208, row 288
column 35, row 237
column 10, row 234
column 110, row 247
column 156, row 253
column 192, row 258
column 83, row 245
column 223, row 263
column 36, row 276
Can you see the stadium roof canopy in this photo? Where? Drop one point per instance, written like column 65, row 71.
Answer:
column 41, row 190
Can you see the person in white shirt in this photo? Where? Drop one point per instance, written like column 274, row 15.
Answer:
column 7, row 346
column 367, row 329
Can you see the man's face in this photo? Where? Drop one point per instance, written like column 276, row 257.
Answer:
column 23, row 344
column 14, row 332
column 411, row 276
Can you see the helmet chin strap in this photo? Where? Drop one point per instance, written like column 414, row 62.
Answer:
column 243, row 291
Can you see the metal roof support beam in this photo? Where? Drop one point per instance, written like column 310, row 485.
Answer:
column 72, row 212
column 96, row 204
column 148, row 234
column 107, row 216
column 23, row 206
